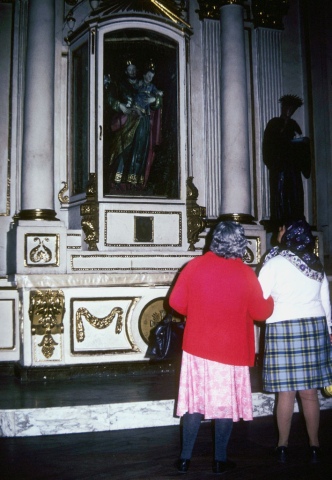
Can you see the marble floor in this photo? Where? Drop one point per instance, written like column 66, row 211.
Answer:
column 102, row 404
column 150, row 453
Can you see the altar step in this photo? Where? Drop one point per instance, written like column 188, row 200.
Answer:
column 103, row 404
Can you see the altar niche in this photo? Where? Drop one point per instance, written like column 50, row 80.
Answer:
column 141, row 124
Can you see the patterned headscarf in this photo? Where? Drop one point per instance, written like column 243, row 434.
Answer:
column 297, row 246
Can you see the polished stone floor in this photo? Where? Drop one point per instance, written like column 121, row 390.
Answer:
column 95, row 391
column 149, row 453
column 88, row 391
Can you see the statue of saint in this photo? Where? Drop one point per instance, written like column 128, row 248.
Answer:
column 286, row 153
column 136, row 130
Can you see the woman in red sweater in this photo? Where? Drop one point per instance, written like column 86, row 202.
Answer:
column 220, row 297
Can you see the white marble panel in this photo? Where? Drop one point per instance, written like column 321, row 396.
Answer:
column 7, row 324
column 119, row 416
column 7, row 423
column 127, row 261
column 160, row 262
column 102, row 339
column 56, row 421
column 25, row 232
column 142, row 414
column 74, row 239
column 91, row 280
column 120, row 228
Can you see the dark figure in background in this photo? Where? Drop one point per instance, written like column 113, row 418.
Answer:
column 134, row 132
column 286, row 154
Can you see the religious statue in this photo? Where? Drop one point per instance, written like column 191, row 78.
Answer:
column 286, row 153
column 136, row 129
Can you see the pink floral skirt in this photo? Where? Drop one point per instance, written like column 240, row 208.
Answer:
column 214, row 389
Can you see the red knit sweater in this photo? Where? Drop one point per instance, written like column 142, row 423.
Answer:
column 220, row 298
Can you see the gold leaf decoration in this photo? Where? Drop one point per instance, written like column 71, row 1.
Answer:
column 99, row 323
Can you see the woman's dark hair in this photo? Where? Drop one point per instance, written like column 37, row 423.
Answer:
column 228, row 240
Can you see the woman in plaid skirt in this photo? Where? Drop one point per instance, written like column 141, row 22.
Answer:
column 298, row 351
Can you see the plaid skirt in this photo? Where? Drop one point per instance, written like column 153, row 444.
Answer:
column 298, row 355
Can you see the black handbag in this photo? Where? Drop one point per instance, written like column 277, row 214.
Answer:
column 166, row 339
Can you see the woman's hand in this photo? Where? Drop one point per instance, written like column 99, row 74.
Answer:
column 282, row 230
column 331, row 338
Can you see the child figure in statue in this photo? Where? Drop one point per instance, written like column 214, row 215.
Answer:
column 147, row 93
column 287, row 155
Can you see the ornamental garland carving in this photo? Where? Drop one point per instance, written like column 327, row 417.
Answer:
column 99, row 323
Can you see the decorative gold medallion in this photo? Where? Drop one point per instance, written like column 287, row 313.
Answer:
column 47, row 345
column 152, row 314
column 40, row 253
column 46, row 313
column 41, row 250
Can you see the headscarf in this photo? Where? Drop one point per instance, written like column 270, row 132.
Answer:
column 297, row 246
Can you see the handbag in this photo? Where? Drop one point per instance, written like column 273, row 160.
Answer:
column 166, row 339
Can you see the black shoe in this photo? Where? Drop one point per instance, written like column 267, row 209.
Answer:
column 220, row 467
column 281, row 453
column 315, row 454
column 182, row 465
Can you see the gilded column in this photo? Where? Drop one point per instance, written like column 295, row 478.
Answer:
column 235, row 164
column 38, row 143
